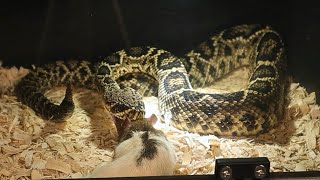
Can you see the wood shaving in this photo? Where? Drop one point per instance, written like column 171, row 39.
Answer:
column 31, row 148
column 58, row 166
column 35, row 174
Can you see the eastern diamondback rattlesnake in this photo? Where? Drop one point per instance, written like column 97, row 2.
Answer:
column 247, row 112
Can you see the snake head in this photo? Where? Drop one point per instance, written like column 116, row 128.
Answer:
column 126, row 105
column 118, row 101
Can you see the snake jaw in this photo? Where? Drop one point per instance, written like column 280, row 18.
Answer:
column 123, row 120
column 121, row 124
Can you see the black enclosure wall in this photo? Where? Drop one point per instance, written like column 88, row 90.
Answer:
column 36, row 32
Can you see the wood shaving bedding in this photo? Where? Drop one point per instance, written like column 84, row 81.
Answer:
column 31, row 148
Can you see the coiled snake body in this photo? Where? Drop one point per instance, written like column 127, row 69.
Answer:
column 247, row 112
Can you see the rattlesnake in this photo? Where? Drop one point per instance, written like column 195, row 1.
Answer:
column 249, row 112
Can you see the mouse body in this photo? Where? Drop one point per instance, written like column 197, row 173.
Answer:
column 142, row 151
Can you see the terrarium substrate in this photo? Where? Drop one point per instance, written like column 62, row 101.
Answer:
column 31, row 148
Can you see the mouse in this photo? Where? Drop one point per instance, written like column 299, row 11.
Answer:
column 142, row 151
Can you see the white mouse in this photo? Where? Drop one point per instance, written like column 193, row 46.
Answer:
column 142, row 151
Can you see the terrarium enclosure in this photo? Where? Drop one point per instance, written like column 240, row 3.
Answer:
column 33, row 33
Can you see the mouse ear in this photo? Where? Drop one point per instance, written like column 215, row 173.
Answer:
column 152, row 119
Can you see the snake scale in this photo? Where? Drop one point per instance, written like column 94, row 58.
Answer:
column 248, row 112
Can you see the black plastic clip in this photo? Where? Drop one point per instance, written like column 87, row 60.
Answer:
column 242, row 168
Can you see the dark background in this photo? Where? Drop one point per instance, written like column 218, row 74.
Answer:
column 35, row 32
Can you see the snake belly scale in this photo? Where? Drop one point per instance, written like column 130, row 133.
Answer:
column 249, row 112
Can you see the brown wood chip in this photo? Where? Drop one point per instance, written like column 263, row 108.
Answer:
column 58, row 166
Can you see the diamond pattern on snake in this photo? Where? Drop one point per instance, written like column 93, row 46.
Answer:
column 127, row 75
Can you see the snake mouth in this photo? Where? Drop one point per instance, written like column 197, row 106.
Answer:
column 121, row 124
column 123, row 120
